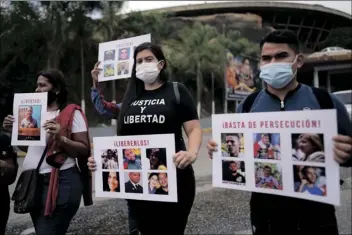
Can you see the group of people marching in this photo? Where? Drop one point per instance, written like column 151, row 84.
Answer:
column 65, row 173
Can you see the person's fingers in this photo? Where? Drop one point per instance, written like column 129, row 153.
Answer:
column 177, row 155
column 96, row 71
column 345, row 147
column 91, row 160
column 97, row 64
column 342, row 139
column 212, row 143
column 178, row 159
column 340, row 156
column 9, row 119
column 211, row 148
column 183, row 163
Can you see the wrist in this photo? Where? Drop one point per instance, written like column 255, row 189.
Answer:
column 63, row 139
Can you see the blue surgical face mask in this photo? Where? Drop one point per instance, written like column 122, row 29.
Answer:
column 277, row 75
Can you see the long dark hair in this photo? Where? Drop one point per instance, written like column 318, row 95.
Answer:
column 57, row 79
column 136, row 86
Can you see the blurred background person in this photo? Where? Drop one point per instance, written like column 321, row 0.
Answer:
column 8, row 173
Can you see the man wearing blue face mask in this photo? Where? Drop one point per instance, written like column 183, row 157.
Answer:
column 280, row 60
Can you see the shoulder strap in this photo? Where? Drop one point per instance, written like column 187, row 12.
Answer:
column 42, row 158
column 323, row 97
column 248, row 102
column 177, row 92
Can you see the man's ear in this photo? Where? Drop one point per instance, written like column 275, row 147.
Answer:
column 300, row 60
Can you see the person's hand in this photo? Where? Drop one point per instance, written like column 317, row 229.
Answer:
column 95, row 72
column 8, row 122
column 342, row 148
column 184, row 158
column 304, row 181
column 212, row 147
column 53, row 128
column 91, row 164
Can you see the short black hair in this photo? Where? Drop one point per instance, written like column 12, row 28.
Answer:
column 57, row 79
column 283, row 37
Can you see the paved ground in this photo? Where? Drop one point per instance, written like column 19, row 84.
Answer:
column 216, row 211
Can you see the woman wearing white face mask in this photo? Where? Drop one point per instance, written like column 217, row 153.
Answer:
column 150, row 106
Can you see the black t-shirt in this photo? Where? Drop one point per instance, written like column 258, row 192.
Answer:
column 238, row 178
column 157, row 112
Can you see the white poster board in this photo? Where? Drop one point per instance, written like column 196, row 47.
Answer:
column 29, row 111
column 136, row 167
column 282, row 153
column 117, row 57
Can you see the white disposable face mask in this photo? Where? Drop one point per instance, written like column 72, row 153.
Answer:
column 147, row 72
column 277, row 75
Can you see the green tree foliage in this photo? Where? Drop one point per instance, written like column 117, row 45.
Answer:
column 341, row 37
column 36, row 35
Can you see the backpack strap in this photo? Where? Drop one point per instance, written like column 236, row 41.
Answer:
column 323, row 97
column 177, row 92
column 248, row 102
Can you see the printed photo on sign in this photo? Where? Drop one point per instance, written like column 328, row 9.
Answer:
column 111, row 181
column 122, row 68
column 308, row 147
column 109, row 159
column 124, row 53
column 233, row 172
column 288, row 153
column 158, row 183
column 310, row 180
column 29, row 122
column 109, row 70
column 109, row 55
column 232, row 145
column 132, row 159
column 143, row 169
column 157, row 158
column 30, row 114
column 114, row 52
column 268, row 175
column 266, row 146
column 134, row 182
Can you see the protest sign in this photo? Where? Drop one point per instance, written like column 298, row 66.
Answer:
column 282, row 153
column 29, row 111
column 136, row 167
column 117, row 57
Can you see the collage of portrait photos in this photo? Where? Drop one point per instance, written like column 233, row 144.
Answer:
column 29, row 111
column 278, row 153
column 116, row 57
column 139, row 168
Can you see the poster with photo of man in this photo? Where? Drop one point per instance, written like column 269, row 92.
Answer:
column 136, row 167
column 29, row 111
column 281, row 153
column 117, row 57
